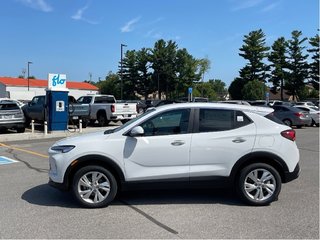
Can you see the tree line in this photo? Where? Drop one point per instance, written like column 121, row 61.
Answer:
column 286, row 66
column 167, row 71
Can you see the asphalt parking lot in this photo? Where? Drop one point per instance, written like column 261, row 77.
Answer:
column 32, row 209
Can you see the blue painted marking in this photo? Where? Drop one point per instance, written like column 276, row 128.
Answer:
column 5, row 160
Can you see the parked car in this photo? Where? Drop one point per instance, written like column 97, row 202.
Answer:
column 292, row 116
column 306, row 104
column 141, row 105
column 104, row 108
column 313, row 112
column 261, row 103
column 241, row 102
column 11, row 116
column 36, row 110
column 188, row 143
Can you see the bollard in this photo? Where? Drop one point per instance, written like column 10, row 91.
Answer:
column 32, row 126
column 45, row 128
column 80, row 125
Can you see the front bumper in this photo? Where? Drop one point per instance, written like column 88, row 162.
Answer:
column 61, row 186
column 289, row 176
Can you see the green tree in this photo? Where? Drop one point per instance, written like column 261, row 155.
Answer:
column 254, row 90
column 205, row 89
column 297, row 64
column 314, row 65
column 255, row 51
column 163, row 64
column 186, row 72
column 278, row 65
column 220, row 88
column 111, row 85
column 130, row 74
column 235, row 88
column 144, row 85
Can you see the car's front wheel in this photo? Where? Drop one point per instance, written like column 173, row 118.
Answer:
column 94, row 186
column 259, row 184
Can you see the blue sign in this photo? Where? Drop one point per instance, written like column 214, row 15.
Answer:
column 190, row 90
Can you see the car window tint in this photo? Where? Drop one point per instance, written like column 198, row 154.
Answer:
column 9, row 106
column 84, row 100
column 167, row 123
column 241, row 119
column 211, row 120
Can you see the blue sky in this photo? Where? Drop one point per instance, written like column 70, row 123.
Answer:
column 79, row 37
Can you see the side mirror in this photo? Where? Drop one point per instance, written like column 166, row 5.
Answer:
column 136, row 131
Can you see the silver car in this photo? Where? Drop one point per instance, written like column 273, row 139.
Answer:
column 11, row 116
column 292, row 116
column 313, row 112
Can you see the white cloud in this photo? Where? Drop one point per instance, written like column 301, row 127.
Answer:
column 128, row 27
column 41, row 5
column 247, row 4
column 270, row 7
column 78, row 16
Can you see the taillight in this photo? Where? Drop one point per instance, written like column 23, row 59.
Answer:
column 113, row 108
column 289, row 134
column 298, row 114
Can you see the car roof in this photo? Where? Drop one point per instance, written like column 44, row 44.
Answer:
column 246, row 108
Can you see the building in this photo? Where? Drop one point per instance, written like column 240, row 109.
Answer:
column 20, row 89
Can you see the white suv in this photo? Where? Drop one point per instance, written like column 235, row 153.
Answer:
column 193, row 143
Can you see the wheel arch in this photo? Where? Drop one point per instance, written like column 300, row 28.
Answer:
column 260, row 157
column 98, row 160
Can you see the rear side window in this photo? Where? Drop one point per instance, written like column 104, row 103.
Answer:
column 213, row 120
column 104, row 99
column 9, row 106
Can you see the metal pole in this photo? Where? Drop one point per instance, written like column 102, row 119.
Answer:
column 28, row 75
column 121, row 75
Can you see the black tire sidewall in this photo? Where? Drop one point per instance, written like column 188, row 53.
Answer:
column 108, row 174
column 240, row 185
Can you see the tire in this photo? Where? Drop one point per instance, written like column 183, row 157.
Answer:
column 317, row 124
column 299, row 126
column 21, row 130
column 253, row 190
column 313, row 123
column 94, row 186
column 102, row 120
column 287, row 122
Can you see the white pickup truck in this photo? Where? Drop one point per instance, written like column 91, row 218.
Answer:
column 104, row 109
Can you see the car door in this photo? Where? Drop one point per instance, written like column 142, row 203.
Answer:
column 223, row 136
column 36, row 109
column 163, row 151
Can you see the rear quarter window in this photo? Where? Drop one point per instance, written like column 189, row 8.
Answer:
column 273, row 118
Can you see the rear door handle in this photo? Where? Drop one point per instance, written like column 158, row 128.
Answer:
column 177, row 143
column 238, row 140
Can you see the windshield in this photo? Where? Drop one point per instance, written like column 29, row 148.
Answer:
column 130, row 122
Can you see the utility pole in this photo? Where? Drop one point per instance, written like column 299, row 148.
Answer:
column 121, row 74
column 29, row 75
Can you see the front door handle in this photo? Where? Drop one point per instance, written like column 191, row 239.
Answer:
column 238, row 140
column 177, row 143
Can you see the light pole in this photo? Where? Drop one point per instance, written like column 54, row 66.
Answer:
column 28, row 75
column 122, row 45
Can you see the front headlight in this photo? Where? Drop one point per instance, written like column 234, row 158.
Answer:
column 63, row 148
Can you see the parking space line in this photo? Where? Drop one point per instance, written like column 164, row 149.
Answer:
column 24, row 150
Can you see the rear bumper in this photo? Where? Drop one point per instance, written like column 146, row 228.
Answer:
column 289, row 176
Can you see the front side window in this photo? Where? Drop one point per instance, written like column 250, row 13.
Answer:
column 167, row 123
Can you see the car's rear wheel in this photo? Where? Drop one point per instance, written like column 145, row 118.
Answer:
column 259, row 184
column 94, row 186
column 102, row 120
column 287, row 122
column 21, row 130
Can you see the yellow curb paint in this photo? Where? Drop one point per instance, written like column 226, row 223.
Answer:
column 24, row 150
